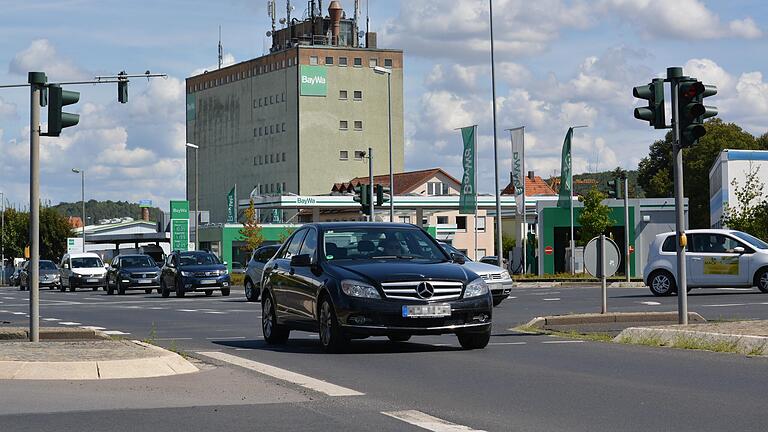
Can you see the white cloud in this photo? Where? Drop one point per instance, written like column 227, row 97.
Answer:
column 7, row 109
column 227, row 59
column 42, row 56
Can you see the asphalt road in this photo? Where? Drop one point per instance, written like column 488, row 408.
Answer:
column 520, row 382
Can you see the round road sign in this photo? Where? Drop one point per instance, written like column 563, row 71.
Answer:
column 612, row 257
column 548, row 250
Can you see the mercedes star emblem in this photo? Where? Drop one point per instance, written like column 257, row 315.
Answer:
column 425, row 290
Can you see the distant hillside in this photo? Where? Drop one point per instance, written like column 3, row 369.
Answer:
column 584, row 182
column 97, row 210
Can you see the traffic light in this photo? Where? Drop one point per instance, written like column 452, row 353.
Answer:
column 614, row 189
column 691, row 110
column 382, row 195
column 122, row 87
column 654, row 94
column 362, row 195
column 58, row 120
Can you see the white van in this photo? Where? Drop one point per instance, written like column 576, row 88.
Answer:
column 82, row 270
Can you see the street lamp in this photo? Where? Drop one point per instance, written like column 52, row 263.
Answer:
column 197, row 196
column 82, row 197
column 388, row 73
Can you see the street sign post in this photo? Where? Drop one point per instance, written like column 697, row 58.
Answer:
column 602, row 259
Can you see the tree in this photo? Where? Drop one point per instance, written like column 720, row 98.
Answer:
column 251, row 230
column 595, row 217
column 54, row 230
column 655, row 170
column 750, row 214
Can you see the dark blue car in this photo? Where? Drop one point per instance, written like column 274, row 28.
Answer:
column 194, row 271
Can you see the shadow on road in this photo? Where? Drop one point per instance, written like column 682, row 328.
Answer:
column 312, row 346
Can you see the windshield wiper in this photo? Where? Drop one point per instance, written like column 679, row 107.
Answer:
column 393, row 257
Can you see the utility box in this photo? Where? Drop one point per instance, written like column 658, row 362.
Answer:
column 578, row 262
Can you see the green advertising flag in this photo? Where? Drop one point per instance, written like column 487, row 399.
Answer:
column 468, row 196
column 231, row 214
column 566, row 189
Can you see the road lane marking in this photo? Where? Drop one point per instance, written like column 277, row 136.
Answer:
column 552, row 299
column 216, row 312
column 428, row 422
column 51, row 319
column 563, row 341
column 735, row 304
column 735, row 289
column 282, row 374
column 225, row 337
column 69, row 323
column 114, row 332
column 18, row 313
column 507, row 343
column 186, row 310
column 157, row 308
column 650, row 303
column 511, row 297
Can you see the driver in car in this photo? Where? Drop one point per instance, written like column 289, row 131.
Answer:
column 391, row 247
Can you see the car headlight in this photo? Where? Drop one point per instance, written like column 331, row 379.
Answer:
column 505, row 275
column 355, row 288
column 186, row 274
column 476, row 288
column 223, row 272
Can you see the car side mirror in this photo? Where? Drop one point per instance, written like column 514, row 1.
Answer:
column 739, row 250
column 66, row 266
column 304, row 260
column 225, row 263
column 457, row 258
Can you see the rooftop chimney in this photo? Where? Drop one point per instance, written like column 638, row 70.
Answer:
column 530, row 175
column 335, row 10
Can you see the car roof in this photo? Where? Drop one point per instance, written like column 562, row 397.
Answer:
column 358, row 224
column 132, row 255
column 84, row 255
column 702, row 231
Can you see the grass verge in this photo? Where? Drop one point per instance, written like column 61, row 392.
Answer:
column 571, row 334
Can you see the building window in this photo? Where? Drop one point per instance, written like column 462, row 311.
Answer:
column 282, row 97
column 481, row 223
column 254, row 160
column 283, row 156
column 405, row 219
column 442, row 220
column 283, row 63
column 290, row 62
column 277, row 128
column 282, row 126
column 343, row 155
column 358, row 95
column 260, row 161
column 266, row 159
column 425, row 221
column 271, row 188
column 479, row 254
column 342, row 61
column 271, row 129
column 254, row 132
column 271, row 158
column 284, row 187
column 271, row 100
column 343, row 124
column 358, row 125
column 388, row 63
column 461, row 223
column 343, row 94
column 359, row 154
column 358, row 62
column 437, row 188
column 373, row 62
column 313, row 60
column 329, row 60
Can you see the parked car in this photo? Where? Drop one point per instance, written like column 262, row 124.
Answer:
column 348, row 280
column 238, row 268
column 194, row 271
column 714, row 258
column 133, row 271
column 493, row 260
column 82, row 270
column 255, row 270
column 499, row 281
column 49, row 276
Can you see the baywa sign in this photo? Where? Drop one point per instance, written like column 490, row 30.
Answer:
column 313, row 81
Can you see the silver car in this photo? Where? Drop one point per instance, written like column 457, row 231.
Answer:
column 499, row 281
column 714, row 258
column 253, row 272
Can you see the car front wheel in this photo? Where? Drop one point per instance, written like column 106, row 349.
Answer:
column 274, row 333
column 251, row 293
column 164, row 291
column 471, row 341
column 661, row 283
column 332, row 337
column 762, row 280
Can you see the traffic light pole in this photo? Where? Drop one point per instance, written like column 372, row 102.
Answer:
column 627, row 266
column 370, row 185
column 37, row 81
column 673, row 75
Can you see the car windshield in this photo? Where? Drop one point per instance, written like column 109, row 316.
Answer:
column 47, row 265
column 450, row 249
column 374, row 243
column 87, row 262
column 136, row 261
column 754, row 241
column 198, row 258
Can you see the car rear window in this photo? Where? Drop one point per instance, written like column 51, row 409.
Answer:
column 669, row 244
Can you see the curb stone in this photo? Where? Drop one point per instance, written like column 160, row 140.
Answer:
column 596, row 318
column 745, row 344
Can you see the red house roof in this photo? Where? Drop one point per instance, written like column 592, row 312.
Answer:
column 405, row 182
column 533, row 187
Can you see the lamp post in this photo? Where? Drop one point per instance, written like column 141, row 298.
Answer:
column 2, row 240
column 82, row 198
column 388, row 72
column 197, row 196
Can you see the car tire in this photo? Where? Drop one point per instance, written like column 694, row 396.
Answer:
column 225, row 292
column 399, row 338
column 110, row 289
column 208, row 293
column 274, row 333
column 332, row 337
column 251, row 293
column 95, row 289
column 470, row 341
column 662, row 283
column 180, row 290
column 62, row 288
column 761, row 280
column 71, row 288
column 497, row 301
column 120, row 288
column 148, row 291
column 164, row 291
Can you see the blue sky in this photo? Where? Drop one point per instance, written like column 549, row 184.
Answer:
column 558, row 63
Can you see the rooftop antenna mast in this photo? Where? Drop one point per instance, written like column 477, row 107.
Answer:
column 357, row 20
column 221, row 49
column 272, row 14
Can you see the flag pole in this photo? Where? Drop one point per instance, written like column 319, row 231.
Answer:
column 499, row 249
column 570, row 182
column 474, row 173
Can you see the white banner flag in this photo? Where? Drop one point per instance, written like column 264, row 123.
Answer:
column 518, row 167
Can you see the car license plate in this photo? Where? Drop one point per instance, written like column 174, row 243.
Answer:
column 92, row 280
column 426, row 311
column 208, row 282
column 145, row 281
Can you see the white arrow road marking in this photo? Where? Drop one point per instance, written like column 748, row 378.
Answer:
column 650, row 303
column 428, row 422
column 282, row 374
column 552, row 299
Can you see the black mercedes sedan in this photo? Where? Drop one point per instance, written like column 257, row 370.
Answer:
column 351, row 280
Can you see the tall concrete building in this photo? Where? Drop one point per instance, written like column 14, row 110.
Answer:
column 298, row 119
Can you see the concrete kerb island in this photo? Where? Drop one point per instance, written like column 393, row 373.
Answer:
column 88, row 360
column 745, row 337
column 615, row 317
